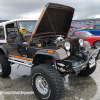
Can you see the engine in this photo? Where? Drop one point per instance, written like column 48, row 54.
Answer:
column 47, row 42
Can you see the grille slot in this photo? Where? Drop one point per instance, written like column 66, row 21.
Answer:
column 74, row 46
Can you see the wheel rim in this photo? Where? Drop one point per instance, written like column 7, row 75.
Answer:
column 41, row 85
column 0, row 69
column 97, row 44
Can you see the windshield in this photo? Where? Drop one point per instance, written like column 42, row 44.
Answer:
column 29, row 25
column 87, row 34
column 96, row 27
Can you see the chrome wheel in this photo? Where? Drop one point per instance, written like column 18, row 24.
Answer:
column 0, row 69
column 41, row 85
column 97, row 44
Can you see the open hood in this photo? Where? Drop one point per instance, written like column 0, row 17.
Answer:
column 55, row 18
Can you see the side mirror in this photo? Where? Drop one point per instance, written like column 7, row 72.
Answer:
column 13, row 35
column 23, row 30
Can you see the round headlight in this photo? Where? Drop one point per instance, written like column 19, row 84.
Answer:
column 81, row 42
column 67, row 45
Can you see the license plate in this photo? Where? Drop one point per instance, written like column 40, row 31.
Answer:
column 91, row 63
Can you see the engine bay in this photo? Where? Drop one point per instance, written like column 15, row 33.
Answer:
column 47, row 41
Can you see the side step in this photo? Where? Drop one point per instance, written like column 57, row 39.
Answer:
column 20, row 61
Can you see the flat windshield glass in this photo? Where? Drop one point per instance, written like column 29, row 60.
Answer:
column 88, row 34
column 29, row 25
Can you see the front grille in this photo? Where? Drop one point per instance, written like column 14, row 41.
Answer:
column 74, row 46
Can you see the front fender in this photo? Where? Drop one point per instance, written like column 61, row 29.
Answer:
column 58, row 54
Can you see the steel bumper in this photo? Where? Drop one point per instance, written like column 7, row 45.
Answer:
column 77, row 67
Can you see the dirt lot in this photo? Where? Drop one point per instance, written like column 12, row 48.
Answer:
column 18, row 85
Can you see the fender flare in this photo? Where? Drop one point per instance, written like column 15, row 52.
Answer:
column 53, row 55
column 4, row 50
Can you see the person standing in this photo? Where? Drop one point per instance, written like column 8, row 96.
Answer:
column 71, row 33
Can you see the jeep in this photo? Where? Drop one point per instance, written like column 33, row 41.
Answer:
column 43, row 46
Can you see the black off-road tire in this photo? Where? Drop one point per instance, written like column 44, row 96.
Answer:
column 53, row 78
column 5, row 66
column 88, row 71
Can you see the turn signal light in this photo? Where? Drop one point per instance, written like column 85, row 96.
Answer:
column 49, row 51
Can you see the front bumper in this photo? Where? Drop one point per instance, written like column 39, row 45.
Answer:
column 81, row 66
column 77, row 66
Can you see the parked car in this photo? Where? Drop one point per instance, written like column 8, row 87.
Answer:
column 87, row 36
column 94, row 31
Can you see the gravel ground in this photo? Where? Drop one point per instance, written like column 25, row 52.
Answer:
column 76, row 88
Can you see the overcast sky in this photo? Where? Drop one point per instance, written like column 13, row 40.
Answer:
column 12, row 9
